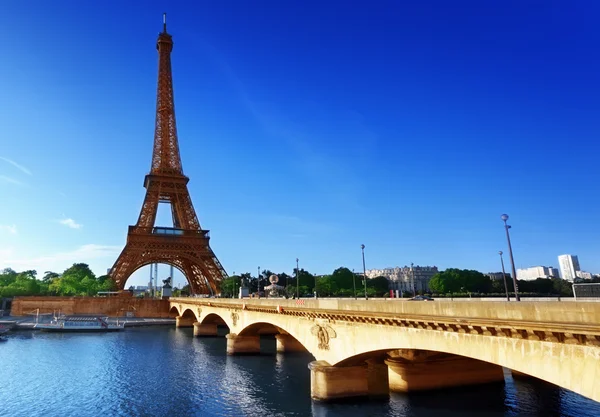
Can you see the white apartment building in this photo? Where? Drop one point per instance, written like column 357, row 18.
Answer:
column 584, row 275
column 569, row 265
column 536, row 272
column 406, row 278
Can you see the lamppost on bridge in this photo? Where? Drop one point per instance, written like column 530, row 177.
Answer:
column 412, row 276
column 504, row 218
column 297, row 280
column 362, row 247
column 504, row 276
column 258, row 282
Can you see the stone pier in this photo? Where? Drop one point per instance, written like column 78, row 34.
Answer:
column 419, row 370
column 208, row 329
column 287, row 343
column 378, row 379
column 181, row 321
column 242, row 345
column 330, row 383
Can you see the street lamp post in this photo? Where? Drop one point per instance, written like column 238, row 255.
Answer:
column 297, row 280
column 504, row 276
column 258, row 282
column 354, row 283
column 504, row 218
column 362, row 247
column 412, row 275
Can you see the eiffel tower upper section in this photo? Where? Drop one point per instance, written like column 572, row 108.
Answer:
column 166, row 159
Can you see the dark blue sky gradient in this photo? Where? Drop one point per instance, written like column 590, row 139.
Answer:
column 308, row 128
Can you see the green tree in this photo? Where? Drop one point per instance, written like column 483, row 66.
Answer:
column 230, row 286
column 380, row 286
column 343, row 278
column 454, row 280
column 49, row 276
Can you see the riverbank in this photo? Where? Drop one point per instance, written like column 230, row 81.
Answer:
column 28, row 323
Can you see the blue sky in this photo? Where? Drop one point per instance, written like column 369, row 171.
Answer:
column 306, row 128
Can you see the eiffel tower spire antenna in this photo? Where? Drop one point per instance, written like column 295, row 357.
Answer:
column 185, row 245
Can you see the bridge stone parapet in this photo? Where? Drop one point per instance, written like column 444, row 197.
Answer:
column 453, row 343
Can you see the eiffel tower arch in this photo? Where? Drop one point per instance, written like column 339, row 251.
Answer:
column 185, row 245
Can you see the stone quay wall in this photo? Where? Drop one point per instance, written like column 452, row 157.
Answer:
column 108, row 306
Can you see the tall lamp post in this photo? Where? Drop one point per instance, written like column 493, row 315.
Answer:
column 258, row 282
column 504, row 276
column 297, row 280
column 504, row 218
column 362, row 247
column 412, row 275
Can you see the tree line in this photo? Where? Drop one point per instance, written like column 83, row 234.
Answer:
column 340, row 283
column 79, row 280
column 76, row 280
column 458, row 282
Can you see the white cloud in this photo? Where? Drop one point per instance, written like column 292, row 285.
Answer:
column 62, row 260
column 20, row 167
column 70, row 223
column 10, row 229
column 4, row 178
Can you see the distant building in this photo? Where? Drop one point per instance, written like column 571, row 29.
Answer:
column 584, row 275
column 497, row 276
column 535, row 272
column 406, row 278
column 569, row 265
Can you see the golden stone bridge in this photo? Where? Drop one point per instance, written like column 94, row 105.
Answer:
column 369, row 348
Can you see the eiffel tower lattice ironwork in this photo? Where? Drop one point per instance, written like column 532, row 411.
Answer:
column 186, row 244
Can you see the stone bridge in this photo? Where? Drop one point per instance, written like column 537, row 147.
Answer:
column 369, row 347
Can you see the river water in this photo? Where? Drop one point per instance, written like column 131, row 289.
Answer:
column 164, row 371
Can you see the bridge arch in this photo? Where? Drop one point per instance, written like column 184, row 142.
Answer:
column 188, row 313
column 214, row 318
column 539, row 359
column 174, row 312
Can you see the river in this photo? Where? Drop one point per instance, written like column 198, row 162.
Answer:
column 163, row 371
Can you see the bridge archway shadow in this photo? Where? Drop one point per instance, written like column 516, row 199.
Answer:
column 222, row 328
column 267, row 339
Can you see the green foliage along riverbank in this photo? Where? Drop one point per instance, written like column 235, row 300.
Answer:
column 76, row 280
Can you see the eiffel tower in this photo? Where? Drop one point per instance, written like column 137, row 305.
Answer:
column 185, row 245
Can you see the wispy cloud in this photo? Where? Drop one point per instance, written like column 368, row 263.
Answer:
column 4, row 178
column 61, row 260
column 70, row 223
column 19, row 166
column 7, row 228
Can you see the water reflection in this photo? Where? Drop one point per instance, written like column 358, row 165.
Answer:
column 166, row 371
